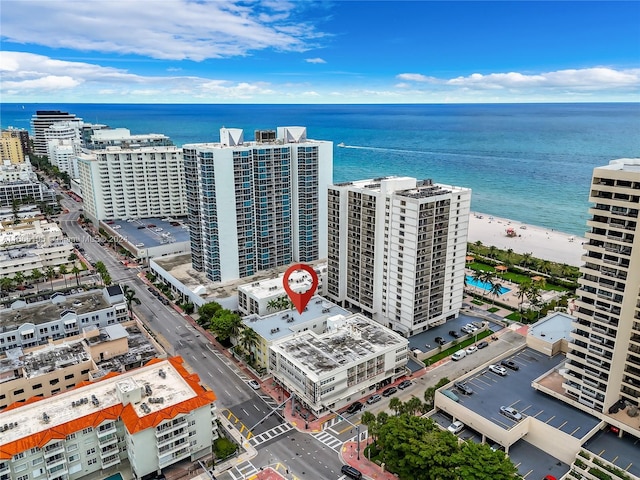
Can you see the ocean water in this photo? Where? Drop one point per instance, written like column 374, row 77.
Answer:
column 528, row 162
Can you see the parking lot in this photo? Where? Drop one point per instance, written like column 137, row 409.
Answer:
column 623, row 452
column 491, row 391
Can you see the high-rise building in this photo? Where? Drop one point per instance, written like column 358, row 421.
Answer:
column 11, row 148
column 132, row 182
column 101, row 138
column 22, row 135
column 603, row 358
column 257, row 205
column 396, row 250
column 42, row 120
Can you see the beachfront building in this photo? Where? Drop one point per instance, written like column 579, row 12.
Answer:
column 127, row 182
column 329, row 370
column 36, row 244
column 143, row 421
column 101, row 138
column 603, row 361
column 257, row 205
column 40, row 123
column 23, row 139
column 61, row 365
column 396, row 250
column 26, row 325
column 282, row 323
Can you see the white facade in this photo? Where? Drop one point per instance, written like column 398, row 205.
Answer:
column 125, row 183
column 37, row 245
column 396, row 250
column 16, row 172
column 64, row 155
column 121, row 137
column 330, row 370
column 150, row 417
column 604, row 354
column 254, row 206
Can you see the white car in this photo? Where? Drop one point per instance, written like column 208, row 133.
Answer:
column 253, row 384
column 497, row 369
column 456, row 427
column 511, row 413
column 471, row 349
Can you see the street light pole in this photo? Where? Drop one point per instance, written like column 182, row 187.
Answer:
column 353, row 425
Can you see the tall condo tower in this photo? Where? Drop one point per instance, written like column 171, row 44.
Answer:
column 42, row 120
column 603, row 359
column 396, row 250
column 257, row 205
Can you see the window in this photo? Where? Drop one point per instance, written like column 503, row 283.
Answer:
column 92, row 461
column 36, row 461
column 72, row 447
column 91, row 451
column 68, row 377
column 74, row 458
column 54, row 381
column 18, row 456
column 87, row 430
column 23, row 477
column 19, row 391
column 37, row 386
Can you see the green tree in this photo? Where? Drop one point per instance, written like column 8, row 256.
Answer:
column 18, row 279
column 76, row 271
column 226, row 325
column 523, row 292
column 50, row 273
column 413, row 406
column 36, row 275
column 395, row 404
column 248, row 339
column 496, row 290
column 106, row 279
column 206, row 312
column 273, row 304
column 477, row 460
column 5, row 284
column 130, row 298
column 527, row 259
column 63, row 272
column 73, row 257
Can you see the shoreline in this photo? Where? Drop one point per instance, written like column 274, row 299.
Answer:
column 542, row 243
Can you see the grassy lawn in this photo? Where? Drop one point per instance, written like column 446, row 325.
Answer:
column 477, row 302
column 513, row 277
column 456, row 347
column 493, row 309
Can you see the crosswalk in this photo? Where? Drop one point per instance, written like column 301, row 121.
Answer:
column 269, row 434
column 329, row 440
column 242, row 471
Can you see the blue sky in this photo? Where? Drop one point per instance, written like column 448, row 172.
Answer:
column 277, row 51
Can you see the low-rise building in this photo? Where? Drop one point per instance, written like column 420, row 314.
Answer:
column 25, row 325
column 326, row 371
column 32, row 245
column 61, row 365
column 286, row 322
column 149, row 418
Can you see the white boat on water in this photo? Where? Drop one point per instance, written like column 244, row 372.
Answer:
column 341, row 144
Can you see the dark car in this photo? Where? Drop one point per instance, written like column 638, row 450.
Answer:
column 454, row 334
column 351, row 472
column 510, row 364
column 354, row 407
column 482, row 344
column 151, row 289
column 404, row 384
column 440, row 341
column 462, row 387
column 389, row 391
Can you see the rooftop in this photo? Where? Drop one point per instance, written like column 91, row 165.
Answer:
column 160, row 380
column 48, row 310
column 281, row 324
column 44, row 360
column 300, row 281
column 150, row 232
column 624, row 164
column 348, row 340
column 553, row 327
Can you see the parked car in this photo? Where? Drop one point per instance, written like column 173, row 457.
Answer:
column 351, row 472
column 510, row 364
column 389, row 391
column 354, row 407
column 374, row 398
column 497, row 369
column 459, row 355
column 462, row 387
column 451, row 395
column 404, row 384
column 511, row 413
column 454, row 334
column 471, row 327
column 151, row 289
column 466, row 329
column 456, row 427
column 471, row 349
column 253, row 384
column 440, row 341
column 482, row 344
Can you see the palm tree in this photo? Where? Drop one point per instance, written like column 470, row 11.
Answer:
column 50, row 273
column 523, row 291
column 492, row 251
column 130, row 297
column 73, row 257
column 273, row 304
column 248, row 339
column 527, row 258
column 75, row 270
column 395, row 404
column 36, row 276
column 5, row 284
column 235, row 326
column 63, row 272
column 18, row 279
column 496, row 289
column 413, row 405
column 478, row 275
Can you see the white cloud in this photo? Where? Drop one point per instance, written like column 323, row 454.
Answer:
column 315, row 60
column 170, row 29
column 414, row 77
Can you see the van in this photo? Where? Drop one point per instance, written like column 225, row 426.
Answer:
column 460, row 354
column 351, row 472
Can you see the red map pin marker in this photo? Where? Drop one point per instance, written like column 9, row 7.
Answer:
column 300, row 300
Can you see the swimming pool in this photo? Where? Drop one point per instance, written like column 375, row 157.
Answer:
column 115, row 476
column 472, row 282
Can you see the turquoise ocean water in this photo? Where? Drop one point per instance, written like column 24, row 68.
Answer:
column 528, row 162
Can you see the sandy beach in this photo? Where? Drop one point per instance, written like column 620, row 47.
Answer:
column 542, row 242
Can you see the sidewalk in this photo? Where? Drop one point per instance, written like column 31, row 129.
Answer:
column 369, row 469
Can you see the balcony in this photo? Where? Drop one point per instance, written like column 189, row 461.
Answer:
column 107, row 452
column 54, row 449
column 109, row 462
column 169, row 438
column 174, row 457
column 108, row 440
